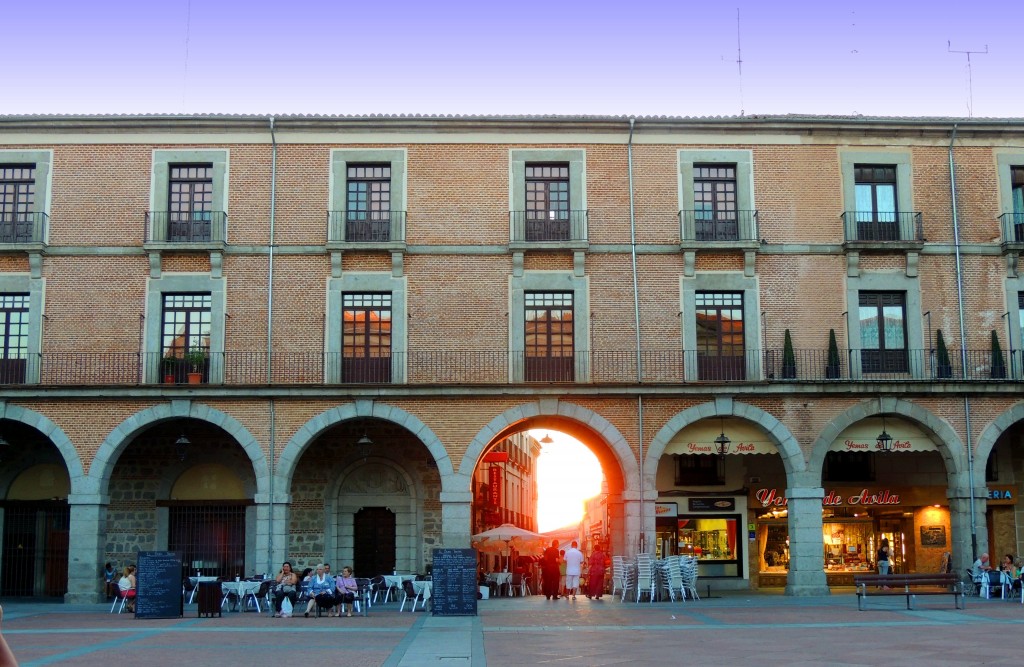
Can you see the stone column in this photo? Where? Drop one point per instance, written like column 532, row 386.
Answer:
column 806, row 557
column 634, row 525
column 960, row 524
column 616, row 526
column 86, row 540
column 456, row 519
column 271, row 532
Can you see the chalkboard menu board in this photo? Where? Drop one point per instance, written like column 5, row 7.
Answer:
column 158, row 585
column 454, row 582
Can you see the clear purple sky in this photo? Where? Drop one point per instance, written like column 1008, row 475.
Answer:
column 642, row 57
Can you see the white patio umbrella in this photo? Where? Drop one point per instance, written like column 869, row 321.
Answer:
column 502, row 539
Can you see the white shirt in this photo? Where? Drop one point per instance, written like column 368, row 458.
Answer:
column 573, row 561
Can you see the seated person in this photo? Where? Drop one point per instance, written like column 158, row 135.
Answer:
column 1010, row 568
column 110, row 580
column 347, row 590
column 285, row 588
column 321, row 591
column 126, row 586
column 982, row 571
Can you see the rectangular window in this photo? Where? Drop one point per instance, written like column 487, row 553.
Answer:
column 366, row 337
column 877, row 210
column 714, row 202
column 698, row 470
column 13, row 338
column 190, row 203
column 368, row 202
column 1017, row 194
column 547, row 202
column 185, row 338
column 883, row 332
column 17, row 202
column 720, row 345
column 549, row 348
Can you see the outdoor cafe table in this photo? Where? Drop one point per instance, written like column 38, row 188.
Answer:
column 241, row 589
column 423, row 588
column 394, row 582
column 195, row 581
column 501, row 579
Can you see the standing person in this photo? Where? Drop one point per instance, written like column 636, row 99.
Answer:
column 883, row 557
column 573, row 568
column 285, row 588
column 549, row 571
column 595, row 574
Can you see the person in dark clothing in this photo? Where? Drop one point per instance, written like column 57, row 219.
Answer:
column 550, row 571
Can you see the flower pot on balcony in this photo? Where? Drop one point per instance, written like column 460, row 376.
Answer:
column 169, row 378
column 195, row 378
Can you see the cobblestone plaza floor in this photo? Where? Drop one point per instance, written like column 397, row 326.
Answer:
column 730, row 629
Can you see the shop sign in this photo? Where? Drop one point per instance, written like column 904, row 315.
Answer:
column 1002, row 495
column 699, row 438
column 494, row 485
column 834, row 498
column 711, row 504
column 666, row 509
column 863, row 437
column 496, row 457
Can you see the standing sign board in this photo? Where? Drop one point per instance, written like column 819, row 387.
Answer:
column 158, row 585
column 454, row 582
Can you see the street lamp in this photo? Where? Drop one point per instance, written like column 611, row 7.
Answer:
column 365, row 446
column 181, row 446
column 546, row 440
column 722, row 442
column 884, row 440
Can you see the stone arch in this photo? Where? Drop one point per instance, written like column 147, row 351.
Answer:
column 73, row 463
column 115, row 443
column 987, row 440
column 789, row 448
column 309, row 431
column 946, row 440
column 537, row 412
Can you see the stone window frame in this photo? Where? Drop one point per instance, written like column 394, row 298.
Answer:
column 849, row 158
column 397, row 286
column 36, row 290
column 744, row 161
column 167, row 283
column 549, row 281
column 161, row 174
column 1005, row 160
column 337, row 192
column 1014, row 288
column 517, row 160
column 43, row 161
column 887, row 282
column 722, row 282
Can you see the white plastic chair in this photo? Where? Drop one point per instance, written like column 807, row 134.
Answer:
column 618, row 575
column 644, row 577
column 409, row 593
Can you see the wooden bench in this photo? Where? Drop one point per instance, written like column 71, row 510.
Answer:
column 909, row 585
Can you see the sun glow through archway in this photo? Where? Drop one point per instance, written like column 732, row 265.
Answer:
column 568, row 473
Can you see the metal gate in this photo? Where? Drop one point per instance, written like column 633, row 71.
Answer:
column 35, row 549
column 210, row 537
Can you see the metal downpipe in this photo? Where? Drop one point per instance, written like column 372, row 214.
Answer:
column 963, row 340
column 636, row 318
column 270, row 343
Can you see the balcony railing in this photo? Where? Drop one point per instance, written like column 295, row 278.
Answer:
column 548, row 226
column 711, row 226
column 365, row 226
column 1012, row 226
column 882, row 227
column 23, row 227
column 501, row 367
column 186, row 226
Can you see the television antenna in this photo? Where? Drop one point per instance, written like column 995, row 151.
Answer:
column 739, row 58
column 970, row 79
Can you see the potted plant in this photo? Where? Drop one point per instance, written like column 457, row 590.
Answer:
column 943, row 367
column 196, row 360
column 998, row 363
column 788, row 358
column 169, row 366
column 832, row 369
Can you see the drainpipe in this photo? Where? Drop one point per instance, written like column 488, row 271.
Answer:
column 963, row 340
column 270, row 341
column 636, row 319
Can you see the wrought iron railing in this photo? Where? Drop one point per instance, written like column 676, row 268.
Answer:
column 548, row 226
column 501, row 367
column 709, row 226
column 23, row 227
column 1012, row 226
column 883, row 227
column 365, row 226
column 186, row 226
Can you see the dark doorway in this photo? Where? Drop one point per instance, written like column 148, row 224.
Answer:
column 210, row 536
column 35, row 548
column 374, row 541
